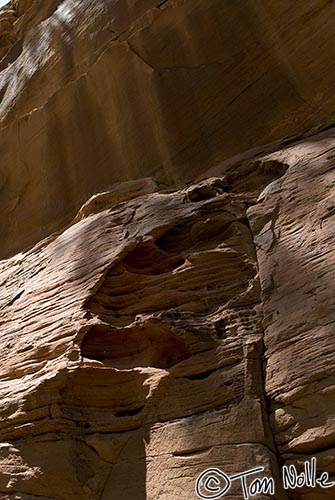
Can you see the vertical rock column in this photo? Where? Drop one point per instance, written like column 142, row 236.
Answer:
column 293, row 227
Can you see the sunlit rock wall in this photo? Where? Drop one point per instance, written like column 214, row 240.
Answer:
column 105, row 91
column 166, row 294
column 168, row 331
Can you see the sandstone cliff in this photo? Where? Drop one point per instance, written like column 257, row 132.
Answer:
column 98, row 92
column 182, row 318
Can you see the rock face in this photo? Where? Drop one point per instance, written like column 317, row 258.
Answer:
column 182, row 318
column 168, row 331
column 295, row 249
column 99, row 92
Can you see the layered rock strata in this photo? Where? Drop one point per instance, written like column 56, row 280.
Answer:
column 179, row 323
column 167, row 331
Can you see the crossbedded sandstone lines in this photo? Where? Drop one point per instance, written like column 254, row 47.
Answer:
column 139, row 322
column 132, row 341
column 293, row 227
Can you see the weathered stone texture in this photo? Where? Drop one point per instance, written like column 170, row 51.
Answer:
column 294, row 236
column 133, row 342
column 135, row 337
column 182, row 318
column 106, row 91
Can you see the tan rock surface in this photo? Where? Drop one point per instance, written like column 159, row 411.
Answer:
column 167, row 325
column 295, row 235
column 132, row 342
column 100, row 92
column 132, row 350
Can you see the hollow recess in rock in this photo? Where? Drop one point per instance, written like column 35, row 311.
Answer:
column 254, row 176
column 145, row 345
column 148, row 259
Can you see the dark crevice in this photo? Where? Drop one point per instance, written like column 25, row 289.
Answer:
column 3, row 92
column 201, row 376
column 202, row 193
column 14, row 299
column 83, row 425
column 176, row 239
column 12, row 55
column 129, row 413
column 160, row 5
column 220, row 328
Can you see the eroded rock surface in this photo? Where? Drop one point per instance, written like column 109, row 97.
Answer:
column 97, row 92
column 167, row 331
column 294, row 232
column 182, row 318
column 137, row 347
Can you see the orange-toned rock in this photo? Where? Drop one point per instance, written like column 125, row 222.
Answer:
column 100, row 92
column 294, row 235
column 132, row 348
column 182, row 318
column 132, row 342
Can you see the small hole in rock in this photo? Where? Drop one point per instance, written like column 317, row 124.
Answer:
column 220, row 328
column 202, row 193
